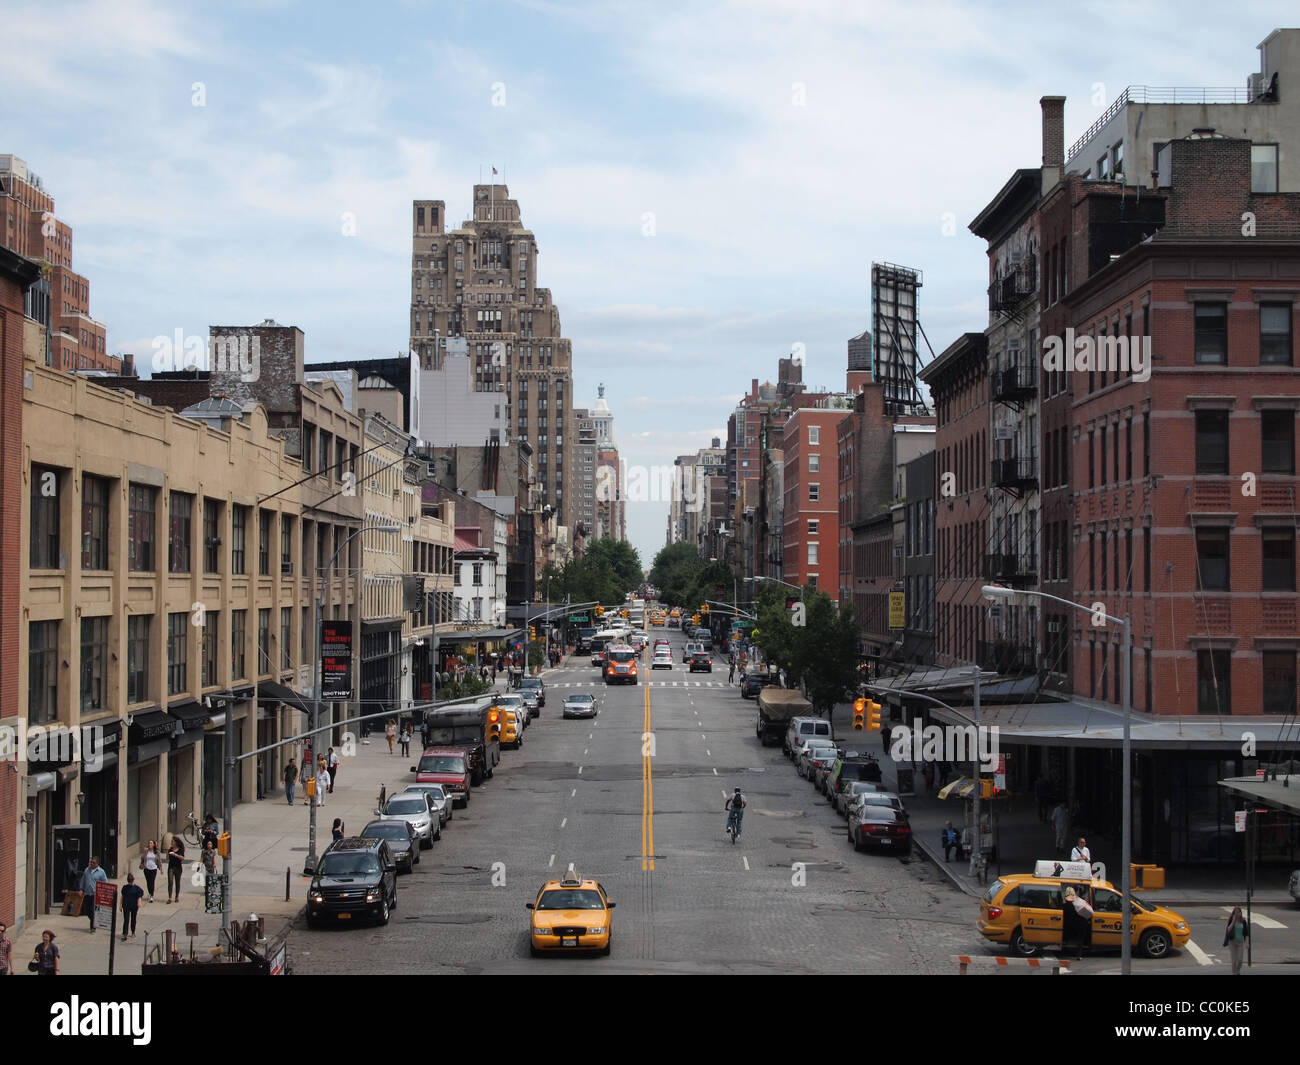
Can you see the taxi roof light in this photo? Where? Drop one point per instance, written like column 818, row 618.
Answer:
column 571, row 876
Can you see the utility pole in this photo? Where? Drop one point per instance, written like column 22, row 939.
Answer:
column 977, row 854
column 227, row 812
column 309, row 865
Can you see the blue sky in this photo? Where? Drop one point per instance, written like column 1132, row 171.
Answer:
column 780, row 145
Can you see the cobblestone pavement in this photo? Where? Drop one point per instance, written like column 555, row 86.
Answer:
column 790, row 896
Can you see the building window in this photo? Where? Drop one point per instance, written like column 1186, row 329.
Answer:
column 264, row 640
column 94, row 523
column 44, row 551
column 286, row 637
column 238, row 640
column 1279, row 682
column 812, row 554
column 211, row 629
column 286, row 546
column 1214, row 682
column 264, row 542
column 1212, row 560
column 94, row 655
column 180, row 533
column 1277, row 441
column 813, row 524
column 1278, row 547
column 1211, row 332
column 177, row 647
column 137, row 658
column 1146, row 558
column 1263, row 168
column 1275, row 334
column 814, row 492
column 814, row 434
column 142, row 503
column 238, row 538
column 814, row 464
column 1211, row 441
column 42, row 672
column 211, row 536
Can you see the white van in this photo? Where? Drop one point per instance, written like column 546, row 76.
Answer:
column 802, row 728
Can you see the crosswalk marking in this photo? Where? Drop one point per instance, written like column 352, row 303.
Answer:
column 1196, row 952
column 1257, row 919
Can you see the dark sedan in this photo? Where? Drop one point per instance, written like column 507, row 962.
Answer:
column 533, row 684
column 753, row 683
column 880, row 827
column 403, row 842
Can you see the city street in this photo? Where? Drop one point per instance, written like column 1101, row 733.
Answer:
column 688, row 900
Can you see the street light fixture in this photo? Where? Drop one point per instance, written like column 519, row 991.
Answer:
column 997, row 593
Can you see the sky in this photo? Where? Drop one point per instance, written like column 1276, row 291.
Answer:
column 708, row 183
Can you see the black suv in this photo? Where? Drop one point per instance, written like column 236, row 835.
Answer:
column 753, row 683
column 701, row 662
column 356, row 876
column 534, row 682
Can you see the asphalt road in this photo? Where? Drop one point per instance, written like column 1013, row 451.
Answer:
column 791, row 896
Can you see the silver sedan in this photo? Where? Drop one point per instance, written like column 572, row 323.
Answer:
column 437, row 799
column 580, row 704
column 417, row 809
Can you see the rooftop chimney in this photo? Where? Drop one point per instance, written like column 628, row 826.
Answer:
column 1053, row 108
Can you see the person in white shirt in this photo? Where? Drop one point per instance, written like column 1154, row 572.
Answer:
column 1081, row 852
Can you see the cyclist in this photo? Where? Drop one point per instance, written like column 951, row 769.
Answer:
column 736, row 805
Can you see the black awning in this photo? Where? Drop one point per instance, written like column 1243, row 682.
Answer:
column 147, row 726
column 191, row 715
column 268, row 691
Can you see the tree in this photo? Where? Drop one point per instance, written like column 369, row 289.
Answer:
column 707, row 581
column 822, row 652
column 674, row 572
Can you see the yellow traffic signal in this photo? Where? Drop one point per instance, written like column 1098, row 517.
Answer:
column 223, row 845
column 600, row 611
column 873, row 716
column 858, row 719
column 704, row 608
column 987, row 790
column 532, row 632
column 494, row 724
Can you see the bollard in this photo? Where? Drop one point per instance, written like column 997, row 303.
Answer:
column 287, row 871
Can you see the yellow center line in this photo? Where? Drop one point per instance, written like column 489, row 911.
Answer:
column 647, row 790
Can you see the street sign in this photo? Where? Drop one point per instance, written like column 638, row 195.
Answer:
column 105, row 896
column 897, row 610
column 1239, row 821
column 336, row 660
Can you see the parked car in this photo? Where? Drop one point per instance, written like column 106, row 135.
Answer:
column 850, row 767
column 701, row 662
column 448, row 766
column 512, row 729
column 401, row 839
column 753, row 683
column 354, row 877
column 844, row 796
column 819, row 761
column 513, row 701
column 663, row 659
column 417, row 808
column 815, row 747
column 580, row 704
column 802, row 728
column 533, row 684
column 531, row 708
column 872, row 825
column 438, row 798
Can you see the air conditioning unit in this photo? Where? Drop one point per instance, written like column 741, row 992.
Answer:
column 374, row 485
column 1256, row 84
column 1053, row 626
column 1013, row 345
column 1004, row 432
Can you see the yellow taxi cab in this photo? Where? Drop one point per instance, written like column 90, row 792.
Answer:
column 571, row 913
column 1024, row 912
column 656, row 619
column 511, row 732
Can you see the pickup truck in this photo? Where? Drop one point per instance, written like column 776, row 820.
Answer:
column 776, row 706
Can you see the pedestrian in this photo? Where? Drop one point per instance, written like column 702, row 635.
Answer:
column 884, row 739
column 322, row 783
column 149, row 866
column 390, row 731
column 928, row 772
column 336, row 833
column 211, row 829
column 1061, row 823
column 406, row 742
column 1235, row 938
column 1081, row 925
column 46, row 957
column 950, row 840
column 332, row 764
column 290, row 779
column 6, row 952
column 209, row 857
column 175, row 866
column 131, row 896
column 92, row 876
column 1081, row 852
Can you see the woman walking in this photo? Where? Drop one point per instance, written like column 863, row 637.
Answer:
column 149, row 866
column 175, row 866
column 337, row 831
column 322, row 782
column 47, row 956
column 1235, row 938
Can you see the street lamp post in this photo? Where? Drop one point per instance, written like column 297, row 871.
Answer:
column 995, row 593
column 309, row 866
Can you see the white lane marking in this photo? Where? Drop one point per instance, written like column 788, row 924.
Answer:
column 708, row 752
column 573, row 793
column 585, row 750
column 703, row 737
column 590, row 734
column 579, row 770
column 715, row 771
column 551, row 862
column 564, row 822
column 1257, row 919
column 1196, row 952
column 746, row 861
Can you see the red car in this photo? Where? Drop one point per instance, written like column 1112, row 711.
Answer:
column 448, row 766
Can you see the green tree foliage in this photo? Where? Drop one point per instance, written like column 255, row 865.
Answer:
column 606, row 572
column 714, row 582
column 822, row 652
column 674, row 573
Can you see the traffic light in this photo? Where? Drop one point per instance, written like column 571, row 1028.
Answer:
column 986, row 788
column 704, row 609
column 223, row 845
column 494, row 724
column 873, row 716
column 532, row 632
column 859, row 708
column 600, row 611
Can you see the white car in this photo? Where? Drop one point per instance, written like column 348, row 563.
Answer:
column 438, row 799
column 663, row 659
column 579, row 704
column 416, row 808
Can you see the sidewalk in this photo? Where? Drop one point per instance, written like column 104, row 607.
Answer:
column 268, row 836
column 1021, row 840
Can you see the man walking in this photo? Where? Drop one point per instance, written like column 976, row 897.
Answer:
column 131, row 896
column 332, row 762
column 92, row 876
column 1081, row 852
column 290, row 780
column 1061, row 823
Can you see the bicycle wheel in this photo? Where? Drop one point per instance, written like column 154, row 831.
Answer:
column 191, row 837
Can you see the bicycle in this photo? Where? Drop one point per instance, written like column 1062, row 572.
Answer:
column 193, row 833
column 733, row 827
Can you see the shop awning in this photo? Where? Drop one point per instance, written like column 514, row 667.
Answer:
column 192, row 715
column 149, row 734
column 268, row 691
column 1283, row 793
column 960, row 788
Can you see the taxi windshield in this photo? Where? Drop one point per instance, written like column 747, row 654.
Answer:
column 571, row 899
